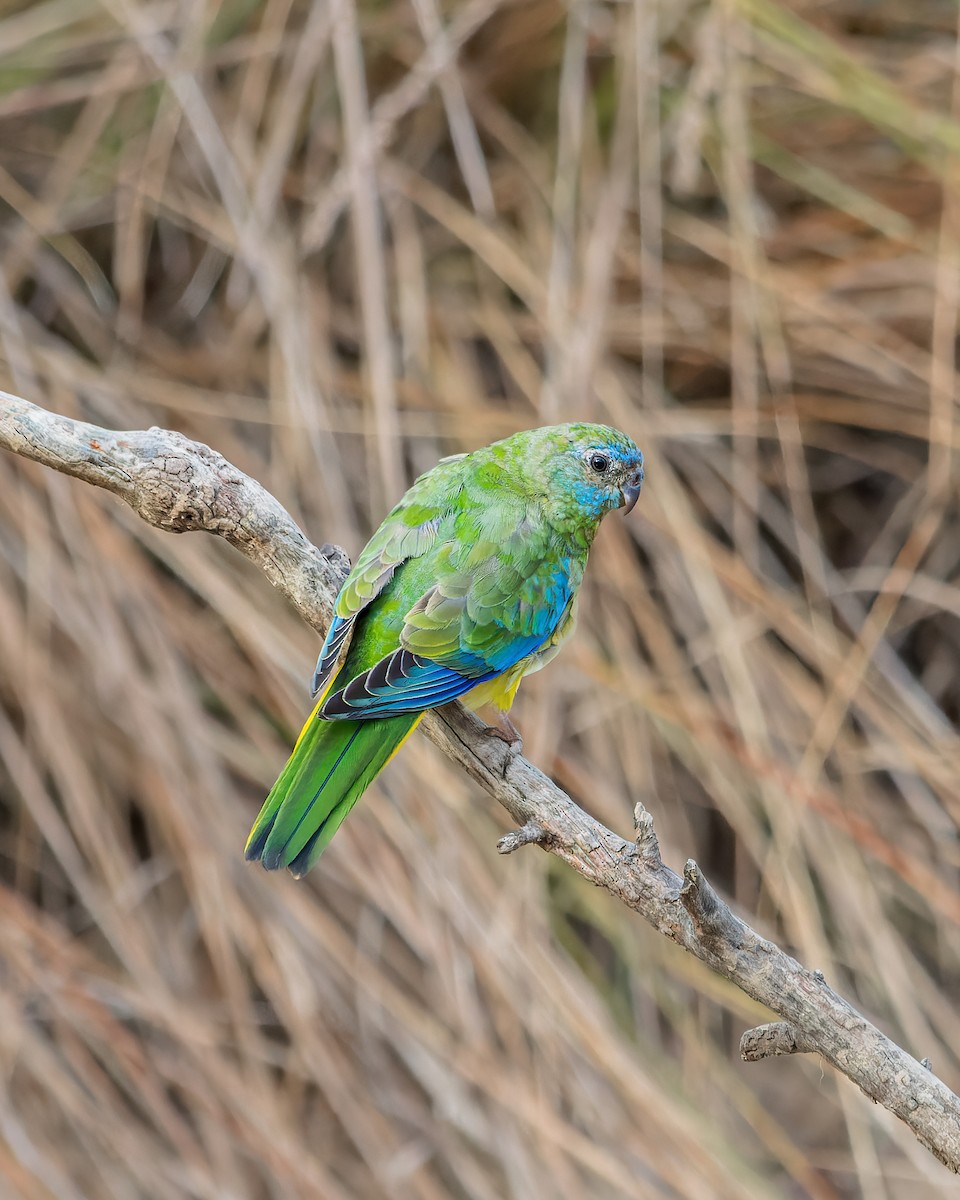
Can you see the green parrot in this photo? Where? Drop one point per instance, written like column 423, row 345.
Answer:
column 468, row 585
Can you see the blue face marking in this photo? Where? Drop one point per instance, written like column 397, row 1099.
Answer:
column 591, row 499
column 619, row 455
column 595, row 496
column 587, row 487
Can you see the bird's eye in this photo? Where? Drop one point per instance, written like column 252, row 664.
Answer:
column 599, row 463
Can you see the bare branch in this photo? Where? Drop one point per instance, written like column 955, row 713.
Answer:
column 179, row 485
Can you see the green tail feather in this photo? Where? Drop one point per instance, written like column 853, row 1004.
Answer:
column 327, row 773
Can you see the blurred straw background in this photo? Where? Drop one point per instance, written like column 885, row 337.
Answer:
column 337, row 241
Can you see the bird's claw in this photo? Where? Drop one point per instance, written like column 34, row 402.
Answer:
column 505, row 736
column 505, row 731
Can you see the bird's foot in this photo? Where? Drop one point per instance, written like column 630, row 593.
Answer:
column 505, row 731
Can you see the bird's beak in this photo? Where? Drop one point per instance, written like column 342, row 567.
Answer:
column 631, row 490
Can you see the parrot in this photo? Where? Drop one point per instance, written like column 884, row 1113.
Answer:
column 469, row 584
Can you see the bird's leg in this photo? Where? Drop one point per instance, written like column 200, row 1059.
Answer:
column 504, row 729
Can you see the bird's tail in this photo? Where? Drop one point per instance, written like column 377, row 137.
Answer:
column 330, row 767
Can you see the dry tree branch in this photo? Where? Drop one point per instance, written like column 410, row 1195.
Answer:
column 180, row 485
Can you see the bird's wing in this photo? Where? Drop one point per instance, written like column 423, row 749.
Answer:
column 409, row 531
column 495, row 602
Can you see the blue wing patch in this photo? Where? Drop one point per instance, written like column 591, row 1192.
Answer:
column 330, row 651
column 484, row 615
column 401, row 682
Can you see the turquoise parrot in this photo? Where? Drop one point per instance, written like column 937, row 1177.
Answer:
column 469, row 584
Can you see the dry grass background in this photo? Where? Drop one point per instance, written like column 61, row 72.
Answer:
column 318, row 238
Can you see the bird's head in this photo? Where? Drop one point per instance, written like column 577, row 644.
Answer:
column 585, row 470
